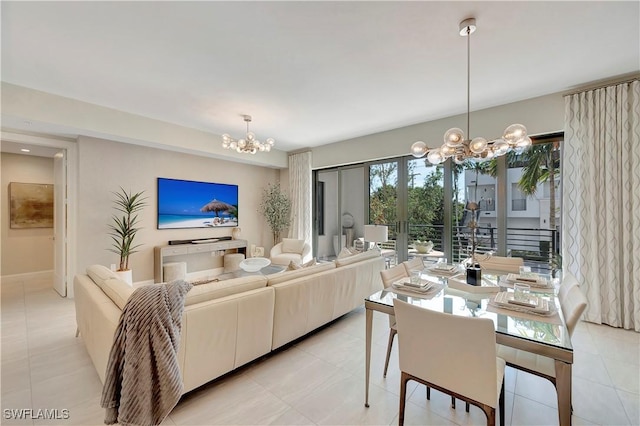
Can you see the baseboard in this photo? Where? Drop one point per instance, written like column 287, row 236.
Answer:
column 40, row 275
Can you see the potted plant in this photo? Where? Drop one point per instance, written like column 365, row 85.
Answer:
column 276, row 208
column 124, row 228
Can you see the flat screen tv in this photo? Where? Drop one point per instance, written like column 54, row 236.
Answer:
column 190, row 204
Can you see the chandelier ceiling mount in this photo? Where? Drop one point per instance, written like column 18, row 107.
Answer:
column 249, row 144
column 479, row 149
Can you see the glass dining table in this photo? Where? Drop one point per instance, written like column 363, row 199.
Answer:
column 541, row 335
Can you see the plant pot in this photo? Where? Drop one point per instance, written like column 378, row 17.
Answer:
column 423, row 248
column 126, row 276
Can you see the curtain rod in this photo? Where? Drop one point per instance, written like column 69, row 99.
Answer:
column 603, row 84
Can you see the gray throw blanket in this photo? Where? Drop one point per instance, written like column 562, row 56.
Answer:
column 142, row 382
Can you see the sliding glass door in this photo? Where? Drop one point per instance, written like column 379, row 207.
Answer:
column 518, row 197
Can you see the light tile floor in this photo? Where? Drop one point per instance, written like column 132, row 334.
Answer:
column 319, row 380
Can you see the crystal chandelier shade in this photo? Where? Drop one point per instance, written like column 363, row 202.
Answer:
column 455, row 145
column 249, row 144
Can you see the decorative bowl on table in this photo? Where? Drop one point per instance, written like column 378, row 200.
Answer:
column 254, row 264
column 423, row 247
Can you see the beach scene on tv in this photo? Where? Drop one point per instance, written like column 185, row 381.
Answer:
column 190, row 204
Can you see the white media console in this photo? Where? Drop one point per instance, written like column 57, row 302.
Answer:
column 197, row 254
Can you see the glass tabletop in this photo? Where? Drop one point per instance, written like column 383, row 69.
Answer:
column 459, row 302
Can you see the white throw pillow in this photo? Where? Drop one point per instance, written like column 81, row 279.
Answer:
column 291, row 245
column 293, row 265
column 345, row 252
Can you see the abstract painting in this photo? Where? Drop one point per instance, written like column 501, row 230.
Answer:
column 31, row 205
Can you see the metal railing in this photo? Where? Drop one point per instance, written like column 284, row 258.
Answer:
column 540, row 248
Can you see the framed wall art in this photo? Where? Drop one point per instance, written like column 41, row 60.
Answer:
column 31, row 205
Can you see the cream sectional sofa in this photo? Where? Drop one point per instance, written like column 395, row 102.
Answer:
column 229, row 323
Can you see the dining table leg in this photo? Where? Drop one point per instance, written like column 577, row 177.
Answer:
column 369, row 325
column 563, row 389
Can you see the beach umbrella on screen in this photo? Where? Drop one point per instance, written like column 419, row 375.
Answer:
column 216, row 207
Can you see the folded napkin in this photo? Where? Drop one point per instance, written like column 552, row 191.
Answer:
column 533, row 281
column 443, row 269
column 431, row 287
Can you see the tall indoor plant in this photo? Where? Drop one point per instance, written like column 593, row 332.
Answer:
column 276, row 208
column 124, row 228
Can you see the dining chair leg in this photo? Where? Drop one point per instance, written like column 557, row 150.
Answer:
column 466, row 407
column 428, row 393
column 404, row 378
column 453, row 402
column 392, row 334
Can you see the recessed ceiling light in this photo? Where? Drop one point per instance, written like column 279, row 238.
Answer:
column 25, row 150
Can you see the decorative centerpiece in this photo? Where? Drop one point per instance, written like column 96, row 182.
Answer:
column 423, row 247
column 254, row 264
column 474, row 273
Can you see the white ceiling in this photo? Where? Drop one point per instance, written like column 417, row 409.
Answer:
column 312, row 73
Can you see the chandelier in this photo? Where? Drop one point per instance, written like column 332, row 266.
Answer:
column 249, row 144
column 479, row 149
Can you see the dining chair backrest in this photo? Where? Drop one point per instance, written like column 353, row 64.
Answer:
column 393, row 274
column 573, row 306
column 502, row 264
column 415, row 264
column 568, row 282
column 454, row 352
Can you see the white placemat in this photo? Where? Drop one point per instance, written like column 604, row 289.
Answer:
column 545, row 312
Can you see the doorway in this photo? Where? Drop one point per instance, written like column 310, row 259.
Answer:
column 64, row 154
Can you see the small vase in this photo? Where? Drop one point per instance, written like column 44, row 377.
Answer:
column 474, row 274
column 235, row 233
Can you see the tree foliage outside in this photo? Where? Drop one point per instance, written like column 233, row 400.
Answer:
column 276, row 209
column 425, row 200
column 541, row 164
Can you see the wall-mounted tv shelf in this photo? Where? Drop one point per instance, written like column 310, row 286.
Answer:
column 197, row 256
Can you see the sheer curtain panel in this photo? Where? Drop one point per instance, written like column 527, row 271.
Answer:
column 300, row 187
column 601, row 201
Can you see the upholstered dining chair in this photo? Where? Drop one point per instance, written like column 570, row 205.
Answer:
column 500, row 263
column 573, row 303
column 388, row 277
column 415, row 264
column 435, row 349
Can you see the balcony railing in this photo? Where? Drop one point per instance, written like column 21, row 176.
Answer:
column 538, row 247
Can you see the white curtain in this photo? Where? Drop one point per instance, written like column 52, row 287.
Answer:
column 601, row 201
column 300, row 188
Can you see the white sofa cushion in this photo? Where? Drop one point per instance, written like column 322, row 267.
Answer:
column 215, row 290
column 117, row 290
column 290, row 275
column 369, row 254
column 100, row 273
column 291, row 245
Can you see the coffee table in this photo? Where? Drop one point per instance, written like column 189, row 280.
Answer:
column 267, row 270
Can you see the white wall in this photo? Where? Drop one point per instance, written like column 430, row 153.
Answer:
column 104, row 166
column 70, row 116
column 540, row 115
column 24, row 250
